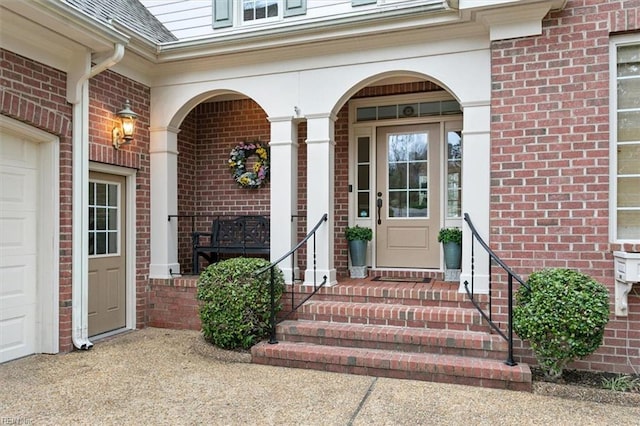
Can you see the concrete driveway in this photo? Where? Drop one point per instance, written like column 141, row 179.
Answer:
column 157, row 376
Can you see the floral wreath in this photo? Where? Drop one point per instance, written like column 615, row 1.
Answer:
column 259, row 173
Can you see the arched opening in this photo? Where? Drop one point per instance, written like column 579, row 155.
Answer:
column 398, row 170
column 205, row 182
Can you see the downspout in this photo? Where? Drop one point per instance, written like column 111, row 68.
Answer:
column 78, row 96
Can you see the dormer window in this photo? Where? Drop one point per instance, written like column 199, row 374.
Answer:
column 226, row 12
column 254, row 10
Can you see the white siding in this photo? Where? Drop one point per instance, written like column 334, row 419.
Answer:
column 193, row 18
column 184, row 18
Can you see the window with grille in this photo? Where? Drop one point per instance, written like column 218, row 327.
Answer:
column 625, row 129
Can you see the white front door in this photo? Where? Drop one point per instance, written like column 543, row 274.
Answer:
column 408, row 196
column 19, row 194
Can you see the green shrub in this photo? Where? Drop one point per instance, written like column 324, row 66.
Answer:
column 236, row 304
column 563, row 316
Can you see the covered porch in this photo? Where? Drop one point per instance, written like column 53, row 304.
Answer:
column 343, row 180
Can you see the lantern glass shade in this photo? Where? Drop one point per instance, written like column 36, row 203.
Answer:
column 124, row 133
column 128, row 125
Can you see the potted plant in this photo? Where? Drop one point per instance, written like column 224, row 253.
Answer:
column 357, row 238
column 451, row 239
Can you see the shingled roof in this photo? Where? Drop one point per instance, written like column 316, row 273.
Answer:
column 130, row 13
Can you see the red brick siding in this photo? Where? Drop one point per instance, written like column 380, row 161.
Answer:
column 213, row 129
column 187, row 181
column 301, row 256
column 36, row 95
column 173, row 304
column 108, row 92
column 550, row 158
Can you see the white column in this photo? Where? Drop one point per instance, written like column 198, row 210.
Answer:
column 320, row 196
column 164, row 202
column 284, row 191
column 476, row 186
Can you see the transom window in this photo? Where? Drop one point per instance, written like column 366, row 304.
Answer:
column 626, row 126
column 253, row 10
column 416, row 109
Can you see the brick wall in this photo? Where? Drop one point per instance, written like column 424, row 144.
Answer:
column 173, row 304
column 550, row 158
column 108, row 92
column 187, row 182
column 212, row 130
column 36, row 94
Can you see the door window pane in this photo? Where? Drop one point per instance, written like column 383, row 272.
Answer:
column 418, row 175
column 101, row 194
column 397, row 176
column 454, row 174
column 397, row 204
column 363, row 204
column 364, row 175
column 103, row 218
column 417, row 204
column 408, row 180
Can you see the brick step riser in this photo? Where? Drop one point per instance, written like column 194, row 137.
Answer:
column 398, row 368
column 435, row 348
column 397, row 301
column 394, row 315
column 450, row 298
column 430, row 324
column 397, row 374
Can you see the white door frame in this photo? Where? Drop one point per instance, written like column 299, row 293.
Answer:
column 48, row 232
column 130, row 237
column 369, row 129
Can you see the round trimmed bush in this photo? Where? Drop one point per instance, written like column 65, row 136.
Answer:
column 562, row 315
column 236, row 304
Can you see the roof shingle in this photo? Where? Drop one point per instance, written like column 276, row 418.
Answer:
column 130, row 13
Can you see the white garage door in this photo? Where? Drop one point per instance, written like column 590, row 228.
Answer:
column 18, row 245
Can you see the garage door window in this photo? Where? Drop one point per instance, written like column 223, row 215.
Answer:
column 103, row 218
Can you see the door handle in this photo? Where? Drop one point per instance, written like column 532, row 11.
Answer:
column 379, row 205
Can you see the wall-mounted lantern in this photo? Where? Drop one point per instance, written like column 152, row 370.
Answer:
column 123, row 134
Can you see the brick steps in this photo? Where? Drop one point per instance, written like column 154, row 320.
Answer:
column 400, row 365
column 401, row 330
column 405, row 294
column 393, row 314
column 402, row 339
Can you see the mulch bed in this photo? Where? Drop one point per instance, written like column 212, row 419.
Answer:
column 584, row 386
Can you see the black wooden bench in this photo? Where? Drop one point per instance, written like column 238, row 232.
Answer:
column 242, row 235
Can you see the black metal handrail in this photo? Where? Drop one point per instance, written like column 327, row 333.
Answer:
column 271, row 268
column 493, row 257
